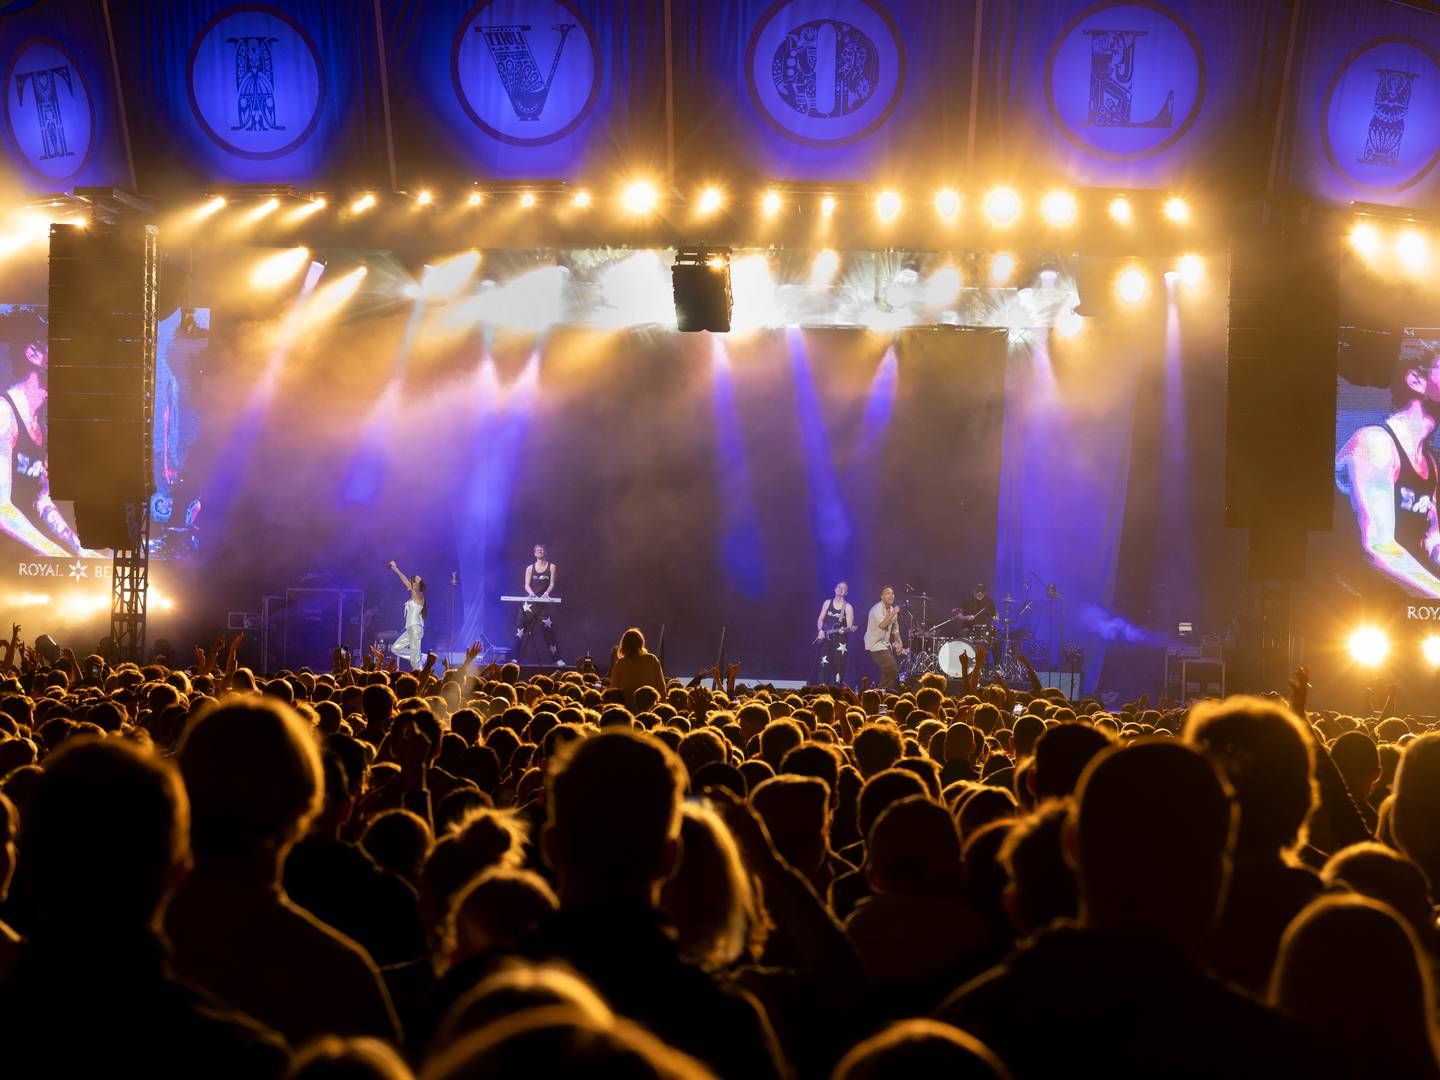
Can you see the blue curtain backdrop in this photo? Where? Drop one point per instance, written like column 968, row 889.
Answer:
column 60, row 115
column 282, row 92
column 840, row 90
column 527, row 89
column 1364, row 120
column 1132, row 93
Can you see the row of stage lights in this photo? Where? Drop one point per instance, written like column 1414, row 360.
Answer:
column 1370, row 647
column 1407, row 246
column 1002, row 206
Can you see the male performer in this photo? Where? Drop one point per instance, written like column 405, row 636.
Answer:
column 979, row 611
column 1390, row 476
column 832, row 634
column 539, row 582
column 882, row 633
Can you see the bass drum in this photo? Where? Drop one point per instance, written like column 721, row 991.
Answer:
column 950, row 654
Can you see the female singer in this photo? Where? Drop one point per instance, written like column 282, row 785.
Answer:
column 832, row 630
column 539, row 582
column 408, row 643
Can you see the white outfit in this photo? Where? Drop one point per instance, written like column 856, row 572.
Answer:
column 877, row 639
column 408, row 643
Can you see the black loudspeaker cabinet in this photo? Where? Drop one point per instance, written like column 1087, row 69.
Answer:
column 101, row 370
column 1281, row 378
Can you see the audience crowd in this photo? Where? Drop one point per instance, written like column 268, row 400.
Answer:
column 468, row 873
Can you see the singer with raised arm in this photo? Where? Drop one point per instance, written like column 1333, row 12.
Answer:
column 882, row 638
column 408, row 644
column 832, row 634
column 540, row 584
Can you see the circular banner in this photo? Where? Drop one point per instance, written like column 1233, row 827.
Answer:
column 1381, row 119
column 1125, row 80
column 526, row 71
column 825, row 72
column 48, row 111
column 256, row 82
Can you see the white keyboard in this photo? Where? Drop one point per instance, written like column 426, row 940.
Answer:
column 531, row 599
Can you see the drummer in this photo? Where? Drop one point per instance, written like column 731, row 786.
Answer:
column 979, row 612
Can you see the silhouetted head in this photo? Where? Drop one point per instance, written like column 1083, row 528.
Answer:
column 796, row 812
column 253, row 773
column 632, row 642
column 1383, row 874
column 107, row 825
column 1350, row 972
column 334, row 1058
column 1152, row 841
column 915, row 1048
column 613, row 816
column 710, row 898
column 561, row 1041
column 914, row 849
column 1416, row 807
column 1267, row 754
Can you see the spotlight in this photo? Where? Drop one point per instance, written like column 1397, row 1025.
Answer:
column 1058, row 208
column 582, row 199
column 641, row 197
column 424, row 198
column 1069, row 323
column 1430, row 649
column 1365, row 239
column 210, row 207
column 274, row 270
column 827, row 205
column 823, row 269
column 770, row 203
column 1192, row 270
column 474, row 199
column 1002, row 269
column 527, row 199
column 1121, row 211
column 262, row 210
column 887, row 205
column 1002, row 206
column 947, row 204
column 1132, row 285
column 365, row 202
column 1368, row 646
column 1413, row 250
column 710, row 200
column 1177, row 210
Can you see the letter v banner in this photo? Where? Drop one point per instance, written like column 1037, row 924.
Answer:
column 534, row 89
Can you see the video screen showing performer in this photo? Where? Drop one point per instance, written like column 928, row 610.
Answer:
column 540, row 581
column 1387, row 475
column 29, row 515
column 833, row 629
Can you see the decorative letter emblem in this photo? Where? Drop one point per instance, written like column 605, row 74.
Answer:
column 825, row 68
column 519, row 73
column 1387, row 123
column 45, row 86
column 254, row 84
column 1112, row 72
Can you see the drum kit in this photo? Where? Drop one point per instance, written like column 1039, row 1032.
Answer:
column 953, row 645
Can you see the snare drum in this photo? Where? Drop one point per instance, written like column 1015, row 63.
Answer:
column 950, row 654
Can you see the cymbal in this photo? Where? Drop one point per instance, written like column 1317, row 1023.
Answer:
column 918, row 596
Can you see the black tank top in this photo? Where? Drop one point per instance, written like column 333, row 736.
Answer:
column 28, row 464
column 1414, row 500
column 539, row 579
column 834, row 620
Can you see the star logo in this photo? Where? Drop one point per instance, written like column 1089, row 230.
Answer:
column 526, row 608
column 79, row 570
column 519, row 631
column 840, row 648
column 545, row 622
